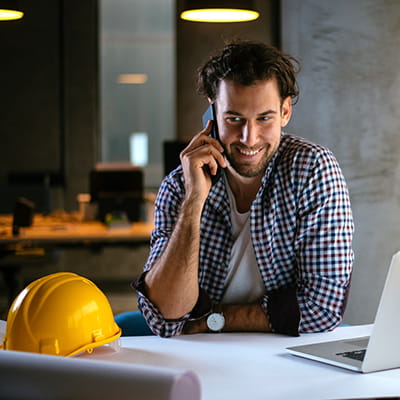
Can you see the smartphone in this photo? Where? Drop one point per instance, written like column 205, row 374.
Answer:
column 207, row 116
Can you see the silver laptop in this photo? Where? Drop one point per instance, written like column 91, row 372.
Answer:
column 377, row 352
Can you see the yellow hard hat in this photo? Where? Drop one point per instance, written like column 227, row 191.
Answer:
column 60, row 314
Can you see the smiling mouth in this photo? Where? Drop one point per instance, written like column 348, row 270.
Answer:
column 249, row 153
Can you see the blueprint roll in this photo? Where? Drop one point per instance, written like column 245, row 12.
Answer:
column 35, row 376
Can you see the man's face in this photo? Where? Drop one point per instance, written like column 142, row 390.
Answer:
column 249, row 120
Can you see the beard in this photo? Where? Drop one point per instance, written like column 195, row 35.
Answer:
column 251, row 170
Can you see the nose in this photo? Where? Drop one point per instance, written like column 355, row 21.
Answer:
column 249, row 134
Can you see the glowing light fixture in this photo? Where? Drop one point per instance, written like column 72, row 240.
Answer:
column 9, row 10
column 132, row 79
column 219, row 11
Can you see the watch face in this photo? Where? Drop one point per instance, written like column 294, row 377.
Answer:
column 215, row 322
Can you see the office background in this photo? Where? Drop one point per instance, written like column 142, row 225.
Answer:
column 54, row 123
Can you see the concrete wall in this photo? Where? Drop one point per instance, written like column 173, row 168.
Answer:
column 350, row 85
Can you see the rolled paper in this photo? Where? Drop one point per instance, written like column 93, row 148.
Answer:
column 36, row 376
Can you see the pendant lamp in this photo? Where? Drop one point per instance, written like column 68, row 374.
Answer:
column 9, row 10
column 219, row 11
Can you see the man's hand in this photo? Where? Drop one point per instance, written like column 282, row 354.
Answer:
column 202, row 151
column 172, row 282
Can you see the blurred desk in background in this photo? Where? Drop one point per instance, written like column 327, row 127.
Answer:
column 68, row 231
column 58, row 231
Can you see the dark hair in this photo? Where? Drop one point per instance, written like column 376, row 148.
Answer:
column 246, row 62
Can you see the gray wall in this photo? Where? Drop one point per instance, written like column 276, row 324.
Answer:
column 350, row 85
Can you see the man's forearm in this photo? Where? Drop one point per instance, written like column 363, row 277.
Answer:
column 245, row 318
column 238, row 318
column 172, row 283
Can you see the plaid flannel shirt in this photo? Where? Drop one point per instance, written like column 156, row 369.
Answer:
column 301, row 229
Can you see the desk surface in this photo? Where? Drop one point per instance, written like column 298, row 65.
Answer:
column 48, row 230
column 256, row 366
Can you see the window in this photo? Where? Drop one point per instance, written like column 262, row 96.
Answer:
column 137, row 82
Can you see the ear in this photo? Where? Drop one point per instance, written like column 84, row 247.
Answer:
column 209, row 101
column 286, row 111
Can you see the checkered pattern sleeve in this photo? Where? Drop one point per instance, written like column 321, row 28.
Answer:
column 323, row 242
column 302, row 231
column 166, row 212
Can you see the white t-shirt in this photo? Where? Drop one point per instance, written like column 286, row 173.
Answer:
column 244, row 284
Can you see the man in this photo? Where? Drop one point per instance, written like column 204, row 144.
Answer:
column 268, row 246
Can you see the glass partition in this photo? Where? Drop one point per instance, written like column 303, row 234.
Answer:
column 137, row 82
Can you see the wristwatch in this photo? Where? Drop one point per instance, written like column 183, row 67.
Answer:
column 216, row 322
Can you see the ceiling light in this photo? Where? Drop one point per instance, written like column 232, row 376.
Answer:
column 219, row 11
column 132, row 79
column 9, row 10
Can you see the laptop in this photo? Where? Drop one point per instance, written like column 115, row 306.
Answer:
column 377, row 352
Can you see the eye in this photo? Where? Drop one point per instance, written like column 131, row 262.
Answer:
column 234, row 119
column 264, row 118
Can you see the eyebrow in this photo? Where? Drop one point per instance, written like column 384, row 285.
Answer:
column 263, row 114
column 266, row 113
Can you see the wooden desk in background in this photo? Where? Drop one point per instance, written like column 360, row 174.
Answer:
column 58, row 231
column 67, row 230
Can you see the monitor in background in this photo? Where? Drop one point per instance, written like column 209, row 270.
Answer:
column 117, row 189
column 172, row 150
column 40, row 195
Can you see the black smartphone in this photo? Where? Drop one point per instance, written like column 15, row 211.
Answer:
column 207, row 116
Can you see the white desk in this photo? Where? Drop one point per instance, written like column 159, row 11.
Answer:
column 256, row 366
column 228, row 366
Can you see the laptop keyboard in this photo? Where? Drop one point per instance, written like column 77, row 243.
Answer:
column 355, row 355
